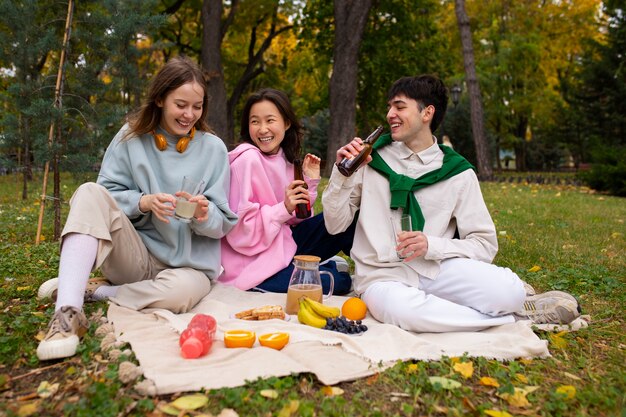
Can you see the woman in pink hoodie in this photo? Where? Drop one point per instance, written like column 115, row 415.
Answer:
column 258, row 252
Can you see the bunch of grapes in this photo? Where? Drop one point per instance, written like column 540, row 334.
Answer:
column 343, row 325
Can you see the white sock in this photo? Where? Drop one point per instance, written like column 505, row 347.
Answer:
column 105, row 292
column 78, row 255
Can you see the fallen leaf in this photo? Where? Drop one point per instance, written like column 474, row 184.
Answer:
column 557, row 340
column 23, row 288
column 535, row 268
column 332, row 391
column 466, row 369
column 518, row 398
column 228, row 412
column 445, row 383
column 28, row 409
column 469, row 404
column 289, row 409
column 521, row 378
column 190, row 402
column 46, row 390
column 488, row 382
column 372, row 379
column 269, row 393
column 572, row 376
column 568, row 391
column 496, row 413
column 169, row 409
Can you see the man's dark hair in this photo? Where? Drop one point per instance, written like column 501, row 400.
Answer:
column 426, row 90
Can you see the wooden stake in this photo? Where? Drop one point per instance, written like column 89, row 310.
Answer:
column 58, row 105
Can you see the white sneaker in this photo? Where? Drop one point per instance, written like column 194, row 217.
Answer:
column 49, row 288
column 342, row 264
column 66, row 328
column 552, row 307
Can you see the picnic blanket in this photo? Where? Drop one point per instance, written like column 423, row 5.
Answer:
column 333, row 357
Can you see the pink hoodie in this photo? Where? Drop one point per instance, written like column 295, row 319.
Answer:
column 261, row 243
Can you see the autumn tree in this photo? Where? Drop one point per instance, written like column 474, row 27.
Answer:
column 232, row 44
column 483, row 160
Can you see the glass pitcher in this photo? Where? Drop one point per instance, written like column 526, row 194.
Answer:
column 306, row 280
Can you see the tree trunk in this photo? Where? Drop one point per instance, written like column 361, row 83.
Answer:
column 211, row 57
column 350, row 19
column 485, row 171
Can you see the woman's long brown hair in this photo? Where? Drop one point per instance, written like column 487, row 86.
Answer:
column 175, row 73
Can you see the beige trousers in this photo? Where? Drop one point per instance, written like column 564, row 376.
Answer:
column 144, row 281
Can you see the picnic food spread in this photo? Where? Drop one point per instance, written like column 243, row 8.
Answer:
column 196, row 340
column 315, row 314
column 262, row 313
column 354, row 309
column 239, row 338
column 274, row 340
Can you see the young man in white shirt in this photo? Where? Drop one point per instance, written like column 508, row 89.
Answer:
column 446, row 281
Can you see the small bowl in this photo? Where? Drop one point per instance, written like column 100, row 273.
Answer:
column 274, row 340
column 239, row 338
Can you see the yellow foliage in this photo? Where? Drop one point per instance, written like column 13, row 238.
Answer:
column 568, row 391
column 557, row 340
column 521, row 378
column 332, row 391
column 466, row 369
column 488, row 382
column 518, row 398
column 496, row 413
column 190, row 402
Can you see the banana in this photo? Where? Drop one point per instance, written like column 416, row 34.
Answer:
column 307, row 316
column 321, row 309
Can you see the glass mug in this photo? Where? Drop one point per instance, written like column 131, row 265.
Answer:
column 306, row 280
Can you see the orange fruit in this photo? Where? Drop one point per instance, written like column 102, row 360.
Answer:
column 354, row 309
column 239, row 338
column 274, row 340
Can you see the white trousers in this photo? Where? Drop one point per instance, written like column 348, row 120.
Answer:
column 467, row 295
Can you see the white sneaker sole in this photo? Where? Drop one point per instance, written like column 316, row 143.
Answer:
column 57, row 349
column 47, row 288
column 342, row 264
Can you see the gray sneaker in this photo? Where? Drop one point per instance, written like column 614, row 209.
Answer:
column 66, row 328
column 530, row 290
column 552, row 307
column 49, row 288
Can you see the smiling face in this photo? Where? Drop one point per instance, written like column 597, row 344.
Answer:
column 266, row 126
column 182, row 108
column 409, row 121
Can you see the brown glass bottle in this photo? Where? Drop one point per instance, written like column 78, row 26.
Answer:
column 303, row 210
column 348, row 166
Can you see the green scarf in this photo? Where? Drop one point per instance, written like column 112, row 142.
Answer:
column 402, row 187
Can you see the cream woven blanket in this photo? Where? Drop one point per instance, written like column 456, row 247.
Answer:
column 332, row 357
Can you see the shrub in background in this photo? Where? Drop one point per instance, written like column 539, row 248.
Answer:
column 608, row 171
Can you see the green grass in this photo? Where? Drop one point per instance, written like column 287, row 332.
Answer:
column 573, row 240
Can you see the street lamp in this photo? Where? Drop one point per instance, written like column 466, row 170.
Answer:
column 456, row 94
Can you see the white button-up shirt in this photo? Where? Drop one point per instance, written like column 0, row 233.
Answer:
column 451, row 204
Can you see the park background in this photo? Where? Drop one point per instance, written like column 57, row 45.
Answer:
column 537, row 104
